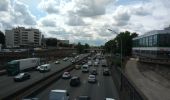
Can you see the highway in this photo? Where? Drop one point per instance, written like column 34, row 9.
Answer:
column 105, row 87
column 8, row 85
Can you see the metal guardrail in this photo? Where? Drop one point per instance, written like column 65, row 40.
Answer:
column 39, row 85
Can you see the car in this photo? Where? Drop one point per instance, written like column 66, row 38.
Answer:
column 85, row 68
column 92, row 79
column 96, row 63
column 59, row 95
column 83, row 98
column 77, row 67
column 66, row 75
column 75, row 81
column 109, row 99
column 57, row 62
column 94, row 72
column 106, row 72
column 73, row 60
column 30, row 99
column 22, row 77
column 65, row 59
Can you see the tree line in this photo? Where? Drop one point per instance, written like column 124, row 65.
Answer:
column 114, row 45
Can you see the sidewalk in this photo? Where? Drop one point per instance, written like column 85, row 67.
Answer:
column 153, row 86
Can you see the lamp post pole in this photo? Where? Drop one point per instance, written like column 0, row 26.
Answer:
column 120, row 47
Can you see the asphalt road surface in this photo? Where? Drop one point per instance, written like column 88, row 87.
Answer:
column 104, row 87
column 8, row 85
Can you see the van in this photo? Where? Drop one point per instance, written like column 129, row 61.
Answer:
column 85, row 68
column 44, row 68
column 58, row 95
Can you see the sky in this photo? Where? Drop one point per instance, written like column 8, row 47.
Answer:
column 85, row 21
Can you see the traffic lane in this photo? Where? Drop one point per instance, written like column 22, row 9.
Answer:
column 8, row 80
column 104, row 88
column 9, row 86
column 59, row 84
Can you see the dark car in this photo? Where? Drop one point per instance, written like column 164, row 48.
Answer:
column 83, row 98
column 106, row 72
column 75, row 81
column 22, row 77
column 94, row 72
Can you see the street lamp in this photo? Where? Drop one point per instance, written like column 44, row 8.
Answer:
column 120, row 47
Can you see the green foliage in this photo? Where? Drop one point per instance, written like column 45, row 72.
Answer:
column 81, row 48
column 51, row 42
column 114, row 46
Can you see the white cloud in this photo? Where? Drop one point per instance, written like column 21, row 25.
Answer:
column 4, row 5
column 50, row 6
column 85, row 20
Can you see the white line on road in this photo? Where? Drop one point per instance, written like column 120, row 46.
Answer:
column 98, row 84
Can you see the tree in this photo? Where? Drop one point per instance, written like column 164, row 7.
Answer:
column 51, row 41
column 2, row 38
column 114, row 45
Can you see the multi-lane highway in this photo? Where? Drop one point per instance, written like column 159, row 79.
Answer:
column 104, row 87
column 8, row 86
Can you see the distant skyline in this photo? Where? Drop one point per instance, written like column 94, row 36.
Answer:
column 85, row 21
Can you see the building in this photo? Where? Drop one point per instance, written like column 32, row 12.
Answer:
column 22, row 37
column 153, row 44
column 63, row 41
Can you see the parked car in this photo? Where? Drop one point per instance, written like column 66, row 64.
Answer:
column 75, row 81
column 83, row 98
column 57, row 62
column 92, row 79
column 66, row 75
column 106, row 72
column 94, row 72
column 22, row 77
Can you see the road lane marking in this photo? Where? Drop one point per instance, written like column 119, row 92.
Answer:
column 98, row 84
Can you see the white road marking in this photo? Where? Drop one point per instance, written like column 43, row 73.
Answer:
column 98, row 84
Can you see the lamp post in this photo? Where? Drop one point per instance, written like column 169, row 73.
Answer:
column 120, row 46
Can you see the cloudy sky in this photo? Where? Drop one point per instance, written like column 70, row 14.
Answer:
column 85, row 21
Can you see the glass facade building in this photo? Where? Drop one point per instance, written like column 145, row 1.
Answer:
column 155, row 43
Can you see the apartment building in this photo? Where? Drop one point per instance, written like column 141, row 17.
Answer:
column 22, row 37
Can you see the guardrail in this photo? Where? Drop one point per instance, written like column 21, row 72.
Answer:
column 39, row 85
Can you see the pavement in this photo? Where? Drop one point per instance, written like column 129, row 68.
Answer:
column 104, row 87
column 151, row 84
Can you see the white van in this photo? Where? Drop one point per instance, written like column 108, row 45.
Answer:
column 44, row 68
column 58, row 95
column 85, row 68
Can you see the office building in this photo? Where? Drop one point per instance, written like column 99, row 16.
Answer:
column 22, row 37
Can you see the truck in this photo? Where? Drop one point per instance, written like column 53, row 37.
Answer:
column 58, row 95
column 16, row 66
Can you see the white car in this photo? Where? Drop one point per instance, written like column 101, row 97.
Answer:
column 96, row 63
column 65, row 59
column 66, row 75
column 58, row 95
column 92, row 79
column 57, row 62
column 109, row 99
